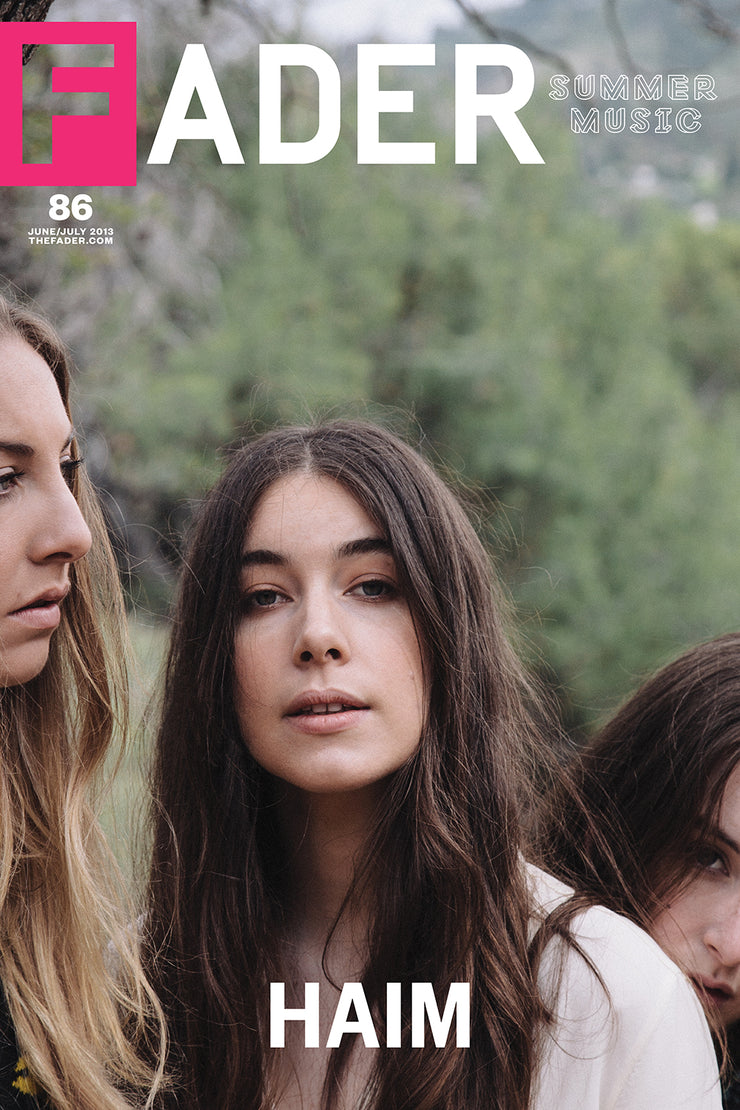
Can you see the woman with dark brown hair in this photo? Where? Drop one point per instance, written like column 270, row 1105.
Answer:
column 65, row 1014
column 338, row 779
column 657, row 805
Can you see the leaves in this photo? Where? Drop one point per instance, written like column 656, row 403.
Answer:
column 570, row 351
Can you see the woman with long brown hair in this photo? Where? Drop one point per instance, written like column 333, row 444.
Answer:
column 66, row 1015
column 336, row 874
column 657, row 805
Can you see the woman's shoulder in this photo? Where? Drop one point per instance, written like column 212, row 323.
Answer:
column 617, row 946
column 628, row 1030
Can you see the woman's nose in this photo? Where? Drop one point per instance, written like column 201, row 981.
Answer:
column 321, row 636
column 722, row 935
column 61, row 533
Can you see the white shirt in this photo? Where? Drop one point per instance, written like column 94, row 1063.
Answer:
column 644, row 1045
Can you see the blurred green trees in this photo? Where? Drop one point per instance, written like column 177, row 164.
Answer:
column 581, row 369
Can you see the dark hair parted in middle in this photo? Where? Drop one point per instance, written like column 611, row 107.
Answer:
column 449, row 900
column 649, row 786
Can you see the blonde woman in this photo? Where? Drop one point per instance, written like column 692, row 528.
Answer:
column 68, row 1022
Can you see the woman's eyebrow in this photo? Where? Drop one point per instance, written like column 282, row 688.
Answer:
column 370, row 545
column 26, row 451
column 17, row 449
column 727, row 840
column 263, row 557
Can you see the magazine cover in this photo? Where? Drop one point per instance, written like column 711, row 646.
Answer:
column 509, row 232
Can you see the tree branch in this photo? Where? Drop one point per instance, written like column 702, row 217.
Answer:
column 618, row 36
column 499, row 34
column 712, row 20
column 26, row 11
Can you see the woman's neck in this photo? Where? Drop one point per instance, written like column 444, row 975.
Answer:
column 325, row 836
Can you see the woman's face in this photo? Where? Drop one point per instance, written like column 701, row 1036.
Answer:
column 41, row 528
column 700, row 928
column 329, row 679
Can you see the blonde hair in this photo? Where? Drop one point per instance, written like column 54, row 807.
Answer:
column 69, row 962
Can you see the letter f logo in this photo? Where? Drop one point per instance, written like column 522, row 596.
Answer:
column 86, row 150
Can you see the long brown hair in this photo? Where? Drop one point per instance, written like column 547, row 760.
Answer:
column 61, row 921
column 450, row 901
column 643, row 794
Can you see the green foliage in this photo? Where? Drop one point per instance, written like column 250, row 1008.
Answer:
column 702, row 292
column 581, row 370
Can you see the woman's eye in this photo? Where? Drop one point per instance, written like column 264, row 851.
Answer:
column 375, row 588
column 262, row 599
column 8, row 480
column 709, row 859
column 69, row 468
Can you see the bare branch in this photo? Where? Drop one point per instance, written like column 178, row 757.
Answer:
column 26, row 11
column 712, row 20
column 618, row 36
column 499, row 34
column 12, row 11
column 708, row 15
column 258, row 21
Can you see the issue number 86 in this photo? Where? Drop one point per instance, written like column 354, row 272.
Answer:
column 79, row 207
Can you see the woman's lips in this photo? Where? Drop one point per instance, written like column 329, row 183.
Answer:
column 322, row 708
column 43, row 612
column 714, row 991
column 320, row 724
column 44, row 616
column 319, row 712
